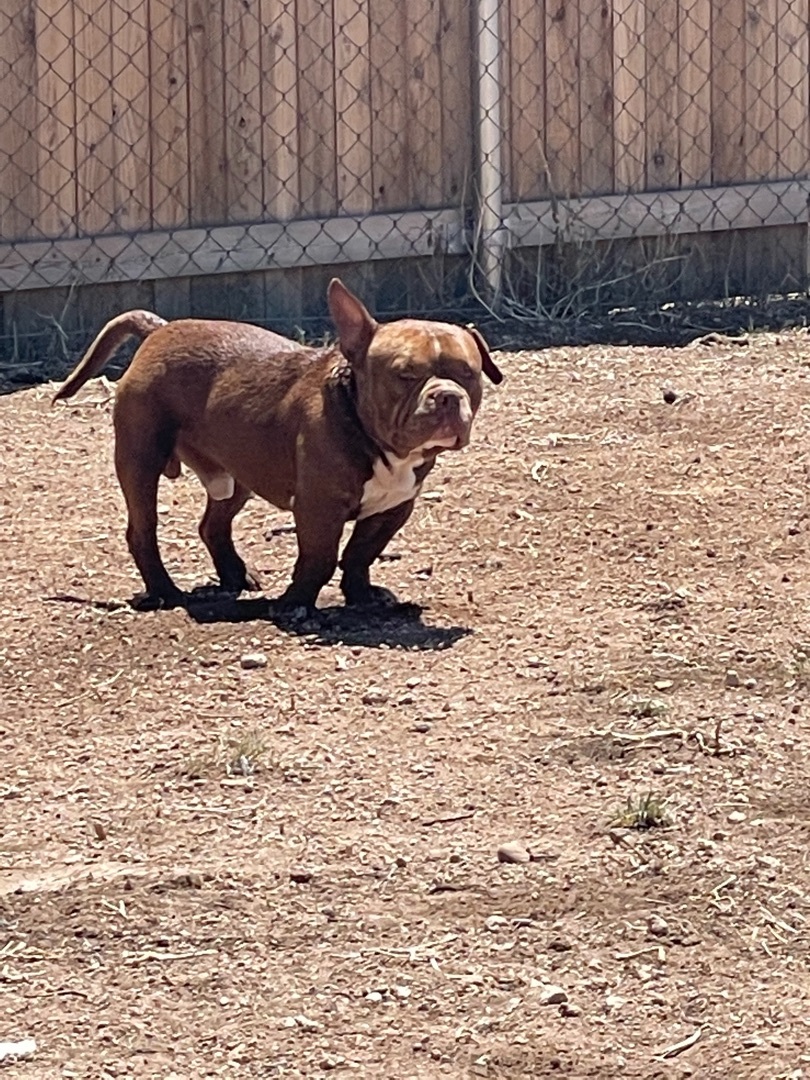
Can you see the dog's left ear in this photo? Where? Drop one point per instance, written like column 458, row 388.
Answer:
column 352, row 321
column 490, row 368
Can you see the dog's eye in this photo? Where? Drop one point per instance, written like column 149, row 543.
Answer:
column 409, row 374
column 466, row 375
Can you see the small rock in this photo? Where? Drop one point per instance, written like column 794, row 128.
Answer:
column 496, row 922
column 657, row 926
column 736, row 817
column 10, row 1051
column 559, row 945
column 670, row 397
column 553, row 995
column 251, row 660
column 513, row 852
column 374, row 996
column 300, row 877
column 732, row 678
column 568, row 1008
column 375, row 695
column 422, row 726
column 303, row 1022
column 750, row 683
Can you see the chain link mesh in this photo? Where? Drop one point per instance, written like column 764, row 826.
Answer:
column 634, row 128
column 195, row 156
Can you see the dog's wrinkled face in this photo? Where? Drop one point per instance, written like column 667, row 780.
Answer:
column 418, row 383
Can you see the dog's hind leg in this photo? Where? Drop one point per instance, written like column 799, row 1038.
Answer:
column 215, row 532
column 138, row 463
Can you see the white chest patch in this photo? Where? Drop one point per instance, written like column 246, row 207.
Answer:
column 390, row 485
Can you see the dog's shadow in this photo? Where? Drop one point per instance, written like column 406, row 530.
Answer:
column 400, row 626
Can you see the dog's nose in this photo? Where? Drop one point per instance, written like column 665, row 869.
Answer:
column 444, row 400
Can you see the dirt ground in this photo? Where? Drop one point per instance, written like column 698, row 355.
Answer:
column 209, row 869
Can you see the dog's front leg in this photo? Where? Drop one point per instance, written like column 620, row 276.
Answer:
column 368, row 540
column 319, row 528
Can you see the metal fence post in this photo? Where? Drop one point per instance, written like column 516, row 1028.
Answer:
column 489, row 226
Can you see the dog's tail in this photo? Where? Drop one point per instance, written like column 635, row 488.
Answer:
column 118, row 330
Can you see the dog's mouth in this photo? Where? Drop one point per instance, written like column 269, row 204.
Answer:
column 442, row 439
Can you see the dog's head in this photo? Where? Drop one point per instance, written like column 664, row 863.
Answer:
column 418, row 383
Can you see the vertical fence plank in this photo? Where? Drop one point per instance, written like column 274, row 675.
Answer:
column 130, row 91
column 168, row 128
column 629, row 93
column 389, row 132
column 95, row 140
column 352, row 106
column 728, row 92
column 563, row 97
column 206, row 109
column 761, row 134
column 316, row 109
column 694, row 92
column 596, row 104
column 56, row 126
column 761, row 131
column 244, row 168
column 424, row 98
column 456, row 48
column 18, row 67
column 792, row 88
column 526, row 91
column 279, row 67
column 663, row 166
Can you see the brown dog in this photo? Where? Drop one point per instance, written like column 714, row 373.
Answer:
column 336, row 434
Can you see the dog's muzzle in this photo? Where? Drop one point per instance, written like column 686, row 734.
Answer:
column 449, row 406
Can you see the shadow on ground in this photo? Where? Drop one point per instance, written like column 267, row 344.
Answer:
column 398, row 627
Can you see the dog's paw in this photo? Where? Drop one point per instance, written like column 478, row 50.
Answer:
column 147, row 601
column 233, row 584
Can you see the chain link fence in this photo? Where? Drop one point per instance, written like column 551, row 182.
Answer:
column 546, row 158
column 653, row 151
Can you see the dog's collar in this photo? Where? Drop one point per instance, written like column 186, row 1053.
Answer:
column 342, row 378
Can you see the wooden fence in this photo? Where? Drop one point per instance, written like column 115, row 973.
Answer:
column 121, row 116
column 165, row 141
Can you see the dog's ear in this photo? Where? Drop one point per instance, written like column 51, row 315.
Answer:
column 491, row 369
column 352, row 321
